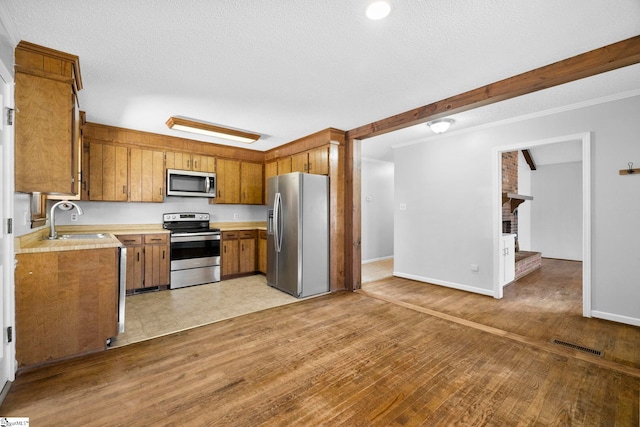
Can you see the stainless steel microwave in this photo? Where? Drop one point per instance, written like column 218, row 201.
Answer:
column 191, row 183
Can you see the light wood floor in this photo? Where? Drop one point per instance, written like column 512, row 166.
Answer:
column 350, row 359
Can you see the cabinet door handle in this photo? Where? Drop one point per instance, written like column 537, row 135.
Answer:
column 124, row 189
column 162, row 254
column 138, row 256
column 160, row 191
column 225, row 249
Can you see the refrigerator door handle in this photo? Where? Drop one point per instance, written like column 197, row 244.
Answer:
column 277, row 237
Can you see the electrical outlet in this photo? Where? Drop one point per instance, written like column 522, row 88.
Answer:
column 235, row 216
column 403, row 206
column 475, row 267
column 74, row 217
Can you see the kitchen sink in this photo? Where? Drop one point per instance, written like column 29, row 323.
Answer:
column 82, row 236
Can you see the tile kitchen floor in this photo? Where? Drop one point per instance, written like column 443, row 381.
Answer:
column 153, row 314
column 377, row 270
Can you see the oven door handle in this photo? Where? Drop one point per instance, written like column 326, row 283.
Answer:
column 193, row 237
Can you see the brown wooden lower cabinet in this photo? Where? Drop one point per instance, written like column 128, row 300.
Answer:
column 238, row 253
column 262, row 251
column 148, row 263
column 66, row 303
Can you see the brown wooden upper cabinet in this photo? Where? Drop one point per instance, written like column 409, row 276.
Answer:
column 284, row 165
column 251, row 183
column 270, row 169
column 108, row 174
column 189, row 161
column 146, row 175
column 227, row 181
column 47, row 125
column 238, row 182
column 314, row 161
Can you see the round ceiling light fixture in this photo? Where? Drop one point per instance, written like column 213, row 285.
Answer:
column 440, row 125
column 378, row 10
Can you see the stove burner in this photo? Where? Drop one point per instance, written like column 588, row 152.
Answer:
column 187, row 222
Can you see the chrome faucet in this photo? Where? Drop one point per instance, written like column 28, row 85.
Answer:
column 65, row 205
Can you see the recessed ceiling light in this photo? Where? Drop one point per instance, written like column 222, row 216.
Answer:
column 378, row 10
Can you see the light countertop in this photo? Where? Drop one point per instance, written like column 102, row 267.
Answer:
column 37, row 241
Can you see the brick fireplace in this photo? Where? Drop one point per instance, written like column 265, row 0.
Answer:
column 526, row 262
column 509, row 185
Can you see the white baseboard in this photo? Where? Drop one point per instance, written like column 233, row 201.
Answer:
column 368, row 261
column 461, row 287
column 616, row 318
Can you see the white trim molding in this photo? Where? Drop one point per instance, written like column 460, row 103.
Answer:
column 444, row 283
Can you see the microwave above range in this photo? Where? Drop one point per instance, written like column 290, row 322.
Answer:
column 191, row 183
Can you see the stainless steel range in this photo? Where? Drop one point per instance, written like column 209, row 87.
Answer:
column 195, row 249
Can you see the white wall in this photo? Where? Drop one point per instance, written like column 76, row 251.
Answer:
column 556, row 211
column 377, row 209
column 140, row 213
column 524, row 210
column 446, row 183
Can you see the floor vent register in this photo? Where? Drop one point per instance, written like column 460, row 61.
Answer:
column 579, row 347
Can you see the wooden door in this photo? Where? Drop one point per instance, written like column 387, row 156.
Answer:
column 251, row 183
column 230, row 254
column 114, row 173
column 146, row 174
column 152, row 260
column 95, row 171
column 319, row 161
column 156, row 260
column 43, row 135
column 299, row 162
column 135, row 262
column 228, row 181
column 262, row 252
column 270, row 169
column 284, row 166
column 248, row 255
column 178, row 160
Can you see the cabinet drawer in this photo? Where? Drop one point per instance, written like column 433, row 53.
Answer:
column 229, row 235
column 131, row 239
column 248, row 234
column 262, row 234
column 155, row 239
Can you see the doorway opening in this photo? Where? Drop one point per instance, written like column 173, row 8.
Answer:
column 377, row 219
column 584, row 141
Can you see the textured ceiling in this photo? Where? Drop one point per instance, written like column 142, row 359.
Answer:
column 286, row 69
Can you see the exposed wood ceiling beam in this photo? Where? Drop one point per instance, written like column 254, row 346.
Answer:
column 529, row 159
column 607, row 58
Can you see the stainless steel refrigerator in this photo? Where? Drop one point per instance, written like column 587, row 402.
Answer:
column 298, row 233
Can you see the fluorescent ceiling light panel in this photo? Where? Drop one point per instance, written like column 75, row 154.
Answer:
column 186, row 125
